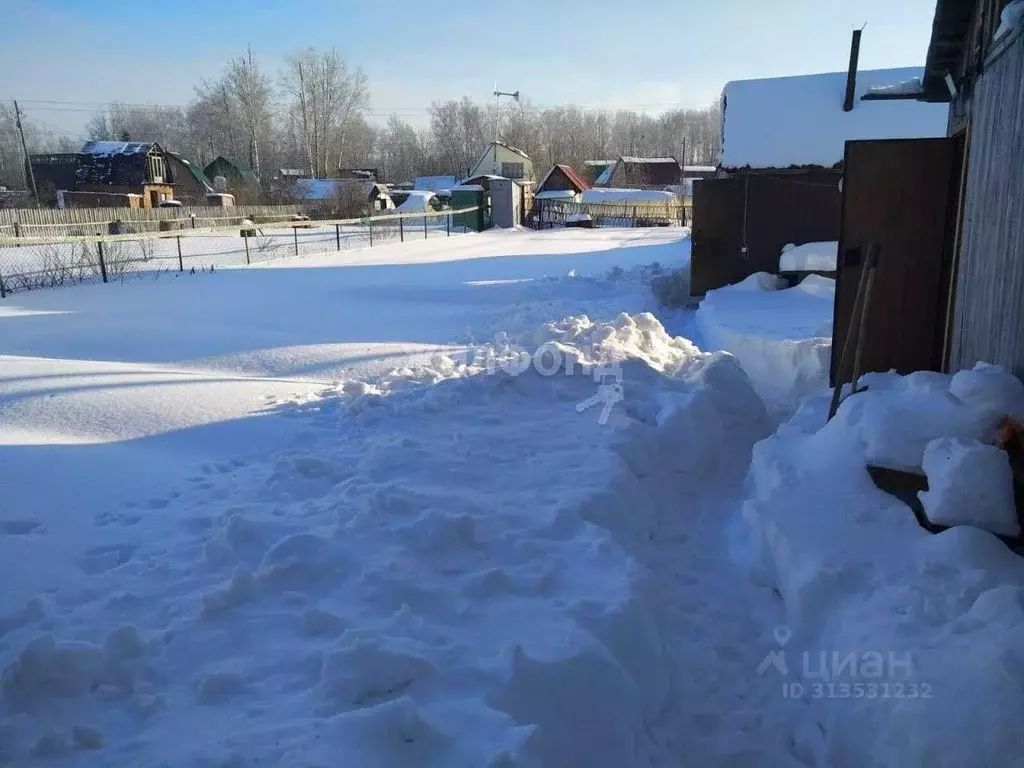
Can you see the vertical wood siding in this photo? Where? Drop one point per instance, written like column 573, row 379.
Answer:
column 989, row 314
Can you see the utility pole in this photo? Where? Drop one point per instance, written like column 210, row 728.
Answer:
column 497, row 107
column 30, row 175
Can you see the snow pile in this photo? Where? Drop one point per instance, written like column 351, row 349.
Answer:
column 1009, row 18
column 781, row 337
column 418, row 201
column 969, row 483
column 442, row 570
column 891, row 631
column 627, row 196
column 798, row 121
column 809, row 257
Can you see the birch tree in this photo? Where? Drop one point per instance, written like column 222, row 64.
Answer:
column 329, row 98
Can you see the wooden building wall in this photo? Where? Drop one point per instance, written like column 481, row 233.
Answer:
column 764, row 210
column 989, row 309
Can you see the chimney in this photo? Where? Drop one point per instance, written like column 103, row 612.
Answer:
column 851, row 73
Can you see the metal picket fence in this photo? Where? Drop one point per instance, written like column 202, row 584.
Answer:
column 45, row 261
column 556, row 213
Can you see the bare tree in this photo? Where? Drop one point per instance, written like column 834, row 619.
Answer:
column 252, row 96
column 329, row 98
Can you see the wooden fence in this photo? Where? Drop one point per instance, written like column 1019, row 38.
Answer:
column 642, row 213
column 55, row 217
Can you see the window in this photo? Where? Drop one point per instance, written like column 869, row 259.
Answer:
column 512, row 170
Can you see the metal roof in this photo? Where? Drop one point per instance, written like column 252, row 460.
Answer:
column 571, row 174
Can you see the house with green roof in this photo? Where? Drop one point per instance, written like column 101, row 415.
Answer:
column 191, row 184
column 241, row 180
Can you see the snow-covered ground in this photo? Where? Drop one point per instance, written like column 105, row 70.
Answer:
column 781, row 336
column 465, row 502
column 906, row 645
column 320, row 507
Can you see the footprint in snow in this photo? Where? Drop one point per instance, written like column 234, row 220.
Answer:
column 106, row 558
column 20, row 527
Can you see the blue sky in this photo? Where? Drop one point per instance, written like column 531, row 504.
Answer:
column 656, row 55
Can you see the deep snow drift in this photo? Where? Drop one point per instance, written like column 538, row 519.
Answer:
column 905, row 644
column 321, row 508
column 781, row 336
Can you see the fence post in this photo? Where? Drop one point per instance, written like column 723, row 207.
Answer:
column 401, row 231
column 634, row 215
column 103, row 266
column 193, row 217
column 337, row 235
column 17, row 232
column 448, row 225
column 369, row 223
column 245, row 236
column 3, row 291
column 295, row 235
column 425, row 227
column 181, row 266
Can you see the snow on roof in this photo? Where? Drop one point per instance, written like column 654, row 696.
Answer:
column 417, row 201
column 556, row 194
column 809, row 257
column 627, row 159
column 627, row 195
column 799, row 121
column 606, row 174
column 910, row 86
column 467, row 188
column 598, row 162
column 316, row 189
column 434, row 183
column 699, row 169
column 107, row 148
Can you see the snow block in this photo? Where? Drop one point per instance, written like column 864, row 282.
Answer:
column 969, row 483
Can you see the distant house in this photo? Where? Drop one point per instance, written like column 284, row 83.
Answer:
column 594, row 168
column 239, row 179
column 191, row 186
column 781, row 163
column 562, row 178
column 500, row 159
column 641, row 173
column 363, row 174
column 107, row 173
column 435, row 183
column 352, row 193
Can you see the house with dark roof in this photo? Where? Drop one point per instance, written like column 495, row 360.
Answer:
column 119, row 170
column 239, row 179
column 641, row 173
column 500, row 159
column 593, row 169
column 562, row 178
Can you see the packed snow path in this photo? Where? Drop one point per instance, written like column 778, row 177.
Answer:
column 211, row 558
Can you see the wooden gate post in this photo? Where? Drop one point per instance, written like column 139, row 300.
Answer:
column 181, row 266
column 103, row 266
column 295, row 236
column 245, row 236
column 337, row 236
column 369, row 224
column 401, row 230
column 424, row 225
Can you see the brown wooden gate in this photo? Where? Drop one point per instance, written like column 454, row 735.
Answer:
column 901, row 194
column 741, row 223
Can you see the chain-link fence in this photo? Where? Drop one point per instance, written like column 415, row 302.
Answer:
column 28, row 263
